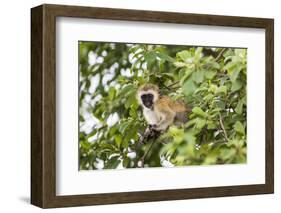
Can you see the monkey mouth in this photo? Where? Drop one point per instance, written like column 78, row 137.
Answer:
column 148, row 105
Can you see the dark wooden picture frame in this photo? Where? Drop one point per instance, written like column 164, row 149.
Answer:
column 43, row 105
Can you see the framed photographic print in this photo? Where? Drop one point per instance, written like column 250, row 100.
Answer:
column 136, row 106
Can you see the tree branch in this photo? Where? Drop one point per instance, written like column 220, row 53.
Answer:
column 216, row 58
column 149, row 135
column 142, row 159
column 223, row 129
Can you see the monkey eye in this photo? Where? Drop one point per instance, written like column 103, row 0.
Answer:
column 149, row 95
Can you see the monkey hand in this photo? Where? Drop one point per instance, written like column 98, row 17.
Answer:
column 150, row 133
column 153, row 131
column 154, row 128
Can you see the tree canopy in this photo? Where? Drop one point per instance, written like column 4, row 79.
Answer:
column 212, row 81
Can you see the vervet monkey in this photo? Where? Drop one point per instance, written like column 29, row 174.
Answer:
column 160, row 111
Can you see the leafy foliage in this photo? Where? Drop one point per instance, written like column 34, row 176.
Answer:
column 211, row 80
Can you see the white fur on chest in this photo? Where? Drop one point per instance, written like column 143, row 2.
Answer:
column 150, row 116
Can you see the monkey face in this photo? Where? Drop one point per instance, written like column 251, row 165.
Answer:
column 147, row 100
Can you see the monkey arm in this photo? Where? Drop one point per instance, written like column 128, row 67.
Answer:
column 166, row 119
column 164, row 113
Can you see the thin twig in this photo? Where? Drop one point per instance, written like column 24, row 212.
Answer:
column 223, row 129
column 175, row 88
column 169, row 86
column 220, row 54
column 166, row 87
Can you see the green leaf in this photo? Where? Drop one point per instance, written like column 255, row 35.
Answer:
column 181, row 73
column 118, row 140
column 184, row 74
column 189, row 87
column 81, row 118
column 123, row 126
column 134, row 48
column 244, row 100
column 150, row 58
column 230, row 66
column 190, row 147
column 220, row 104
column 221, row 89
column 215, row 65
column 189, row 137
column 184, row 55
column 213, row 88
column 239, row 107
column 197, row 54
column 200, row 123
column 238, row 126
column 198, row 76
column 226, row 153
column 131, row 100
column 126, row 162
column 211, row 125
column 210, row 74
column 233, row 70
column 190, row 123
column 208, row 97
column 199, row 111
column 165, row 57
column 175, row 131
column 133, row 112
column 234, row 75
column 236, row 85
column 127, row 89
column 112, row 163
column 111, row 93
